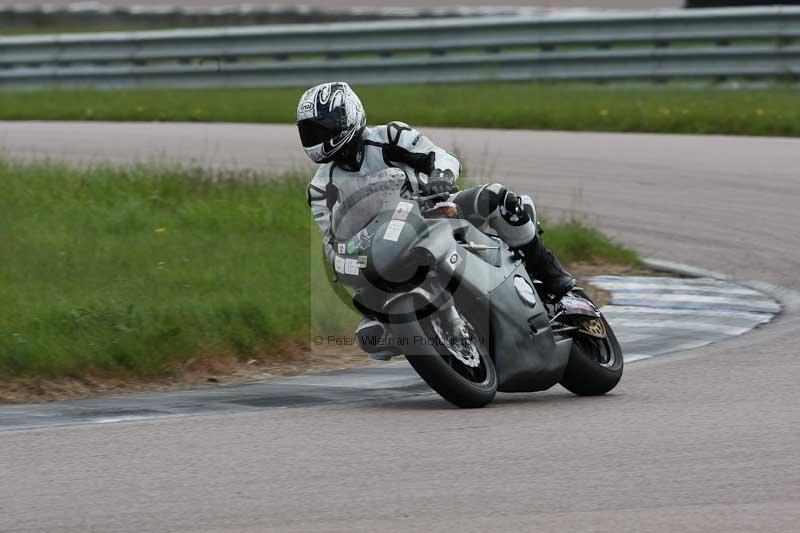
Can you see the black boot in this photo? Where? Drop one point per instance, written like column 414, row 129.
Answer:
column 543, row 265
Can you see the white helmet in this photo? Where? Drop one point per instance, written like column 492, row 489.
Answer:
column 329, row 116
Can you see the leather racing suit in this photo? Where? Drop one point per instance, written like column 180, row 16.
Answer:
column 396, row 144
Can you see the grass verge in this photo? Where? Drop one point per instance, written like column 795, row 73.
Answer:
column 132, row 271
column 662, row 109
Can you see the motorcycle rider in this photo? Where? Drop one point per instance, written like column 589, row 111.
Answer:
column 332, row 126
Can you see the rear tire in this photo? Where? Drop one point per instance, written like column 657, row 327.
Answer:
column 595, row 365
column 439, row 370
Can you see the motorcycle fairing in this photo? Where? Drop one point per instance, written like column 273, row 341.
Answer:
column 526, row 359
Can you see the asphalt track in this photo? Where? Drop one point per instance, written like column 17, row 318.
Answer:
column 651, row 316
column 706, row 440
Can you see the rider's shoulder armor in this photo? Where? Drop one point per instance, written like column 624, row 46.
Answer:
column 398, row 144
column 402, row 135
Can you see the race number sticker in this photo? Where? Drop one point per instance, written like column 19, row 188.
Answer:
column 338, row 264
column 351, row 267
column 402, row 210
column 393, row 230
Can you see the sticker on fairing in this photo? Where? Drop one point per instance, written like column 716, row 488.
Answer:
column 364, row 240
column 402, row 210
column 454, row 259
column 340, row 248
column 393, row 230
column 338, row 264
column 351, row 267
column 362, row 261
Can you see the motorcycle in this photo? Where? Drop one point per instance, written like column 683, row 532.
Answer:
column 458, row 302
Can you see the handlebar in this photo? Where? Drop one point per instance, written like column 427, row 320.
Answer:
column 432, row 197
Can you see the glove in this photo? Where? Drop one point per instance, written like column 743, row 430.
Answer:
column 512, row 204
column 513, row 210
column 441, row 181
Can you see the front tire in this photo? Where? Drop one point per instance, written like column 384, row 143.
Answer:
column 459, row 384
column 595, row 364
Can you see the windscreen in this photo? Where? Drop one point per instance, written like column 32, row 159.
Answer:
column 361, row 199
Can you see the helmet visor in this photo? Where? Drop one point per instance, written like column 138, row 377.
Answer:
column 318, row 130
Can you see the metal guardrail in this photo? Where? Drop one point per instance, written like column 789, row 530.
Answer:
column 88, row 15
column 745, row 42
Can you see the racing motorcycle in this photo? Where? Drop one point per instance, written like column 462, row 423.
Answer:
column 458, row 302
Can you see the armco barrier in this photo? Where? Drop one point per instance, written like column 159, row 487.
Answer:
column 660, row 44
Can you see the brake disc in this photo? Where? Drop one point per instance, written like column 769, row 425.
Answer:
column 462, row 347
column 472, row 359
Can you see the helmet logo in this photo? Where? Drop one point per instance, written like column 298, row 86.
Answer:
column 330, row 96
column 325, row 94
column 306, row 107
column 337, row 100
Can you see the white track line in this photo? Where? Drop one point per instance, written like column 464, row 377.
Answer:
column 690, row 289
column 630, row 358
column 710, row 282
column 690, row 298
column 648, row 314
column 685, row 325
column 755, row 316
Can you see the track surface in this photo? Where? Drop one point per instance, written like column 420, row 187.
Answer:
column 651, row 317
column 703, row 441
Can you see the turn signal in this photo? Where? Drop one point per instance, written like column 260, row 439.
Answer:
column 447, row 209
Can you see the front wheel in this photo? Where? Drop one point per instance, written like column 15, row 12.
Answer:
column 595, row 363
column 461, row 372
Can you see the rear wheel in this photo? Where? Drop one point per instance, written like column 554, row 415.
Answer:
column 595, row 363
column 461, row 372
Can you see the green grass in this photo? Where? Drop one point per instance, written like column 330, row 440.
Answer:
column 121, row 272
column 127, row 271
column 670, row 108
column 574, row 241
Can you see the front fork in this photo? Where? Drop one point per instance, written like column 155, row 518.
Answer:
column 455, row 327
